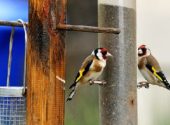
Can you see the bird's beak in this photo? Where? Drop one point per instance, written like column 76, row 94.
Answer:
column 108, row 54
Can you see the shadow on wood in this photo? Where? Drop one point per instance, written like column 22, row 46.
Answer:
column 46, row 60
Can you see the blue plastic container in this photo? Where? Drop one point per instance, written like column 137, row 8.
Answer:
column 12, row 108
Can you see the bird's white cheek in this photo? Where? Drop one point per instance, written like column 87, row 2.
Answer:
column 140, row 51
column 99, row 55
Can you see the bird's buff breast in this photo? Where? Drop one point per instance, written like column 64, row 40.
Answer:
column 98, row 65
column 95, row 71
column 90, row 76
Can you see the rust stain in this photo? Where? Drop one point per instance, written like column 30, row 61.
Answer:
column 132, row 102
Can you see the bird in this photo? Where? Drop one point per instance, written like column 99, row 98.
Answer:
column 91, row 68
column 150, row 69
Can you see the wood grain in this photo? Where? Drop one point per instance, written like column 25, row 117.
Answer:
column 45, row 61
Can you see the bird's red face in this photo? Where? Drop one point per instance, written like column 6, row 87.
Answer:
column 104, row 52
column 101, row 53
column 143, row 51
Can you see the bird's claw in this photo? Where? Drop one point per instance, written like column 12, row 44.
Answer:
column 91, row 82
column 143, row 84
column 101, row 82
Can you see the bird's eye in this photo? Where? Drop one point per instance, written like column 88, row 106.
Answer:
column 140, row 51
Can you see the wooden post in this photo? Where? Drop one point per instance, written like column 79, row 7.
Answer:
column 45, row 61
column 118, row 98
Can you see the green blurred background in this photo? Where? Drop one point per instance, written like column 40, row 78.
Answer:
column 83, row 109
column 153, row 28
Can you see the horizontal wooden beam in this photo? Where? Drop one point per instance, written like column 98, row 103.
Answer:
column 69, row 27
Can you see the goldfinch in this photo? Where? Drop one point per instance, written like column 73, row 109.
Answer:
column 150, row 69
column 90, row 70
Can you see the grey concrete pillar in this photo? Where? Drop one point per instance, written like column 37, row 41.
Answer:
column 118, row 99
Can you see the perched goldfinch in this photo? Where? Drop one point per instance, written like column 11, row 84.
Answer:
column 90, row 70
column 150, row 69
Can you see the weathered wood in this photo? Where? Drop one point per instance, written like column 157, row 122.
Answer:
column 45, row 61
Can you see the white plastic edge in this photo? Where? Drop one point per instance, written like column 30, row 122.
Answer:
column 11, row 91
column 123, row 3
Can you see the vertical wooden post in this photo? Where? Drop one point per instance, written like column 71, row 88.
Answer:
column 45, row 61
column 118, row 98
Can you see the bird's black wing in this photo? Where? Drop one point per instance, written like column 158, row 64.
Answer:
column 164, row 80
column 159, row 75
column 81, row 73
column 154, row 71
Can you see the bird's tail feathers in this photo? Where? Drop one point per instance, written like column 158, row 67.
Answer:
column 72, row 93
column 73, row 85
column 167, row 85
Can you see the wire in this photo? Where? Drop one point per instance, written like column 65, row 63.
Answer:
column 10, row 56
column 25, row 53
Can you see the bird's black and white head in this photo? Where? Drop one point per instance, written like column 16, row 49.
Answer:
column 101, row 53
column 143, row 51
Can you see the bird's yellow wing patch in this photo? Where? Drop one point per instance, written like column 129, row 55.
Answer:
column 155, row 74
column 80, row 74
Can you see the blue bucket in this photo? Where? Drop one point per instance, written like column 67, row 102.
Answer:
column 12, row 102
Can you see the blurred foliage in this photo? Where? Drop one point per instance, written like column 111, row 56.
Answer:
column 83, row 109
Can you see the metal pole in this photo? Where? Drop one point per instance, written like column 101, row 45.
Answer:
column 11, row 23
column 118, row 98
column 10, row 57
column 45, row 61
column 91, row 29
column 69, row 27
